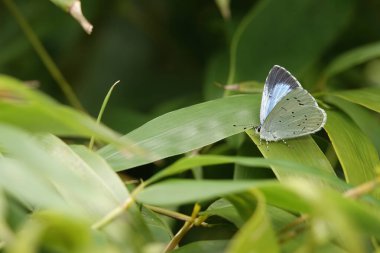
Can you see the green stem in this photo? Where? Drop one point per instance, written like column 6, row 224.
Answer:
column 173, row 214
column 362, row 189
column 105, row 102
column 43, row 54
column 183, row 231
column 113, row 214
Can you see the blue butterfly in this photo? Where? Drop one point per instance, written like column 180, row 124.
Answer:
column 287, row 110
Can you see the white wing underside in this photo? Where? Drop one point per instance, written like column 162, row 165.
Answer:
column 297, row 114
column 278, row 83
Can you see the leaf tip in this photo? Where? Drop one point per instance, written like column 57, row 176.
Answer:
column 76, row 11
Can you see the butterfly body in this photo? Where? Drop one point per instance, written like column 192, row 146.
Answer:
column 287, row 110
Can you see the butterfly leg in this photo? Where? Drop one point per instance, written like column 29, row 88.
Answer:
column 285, row 143
column 267, row 145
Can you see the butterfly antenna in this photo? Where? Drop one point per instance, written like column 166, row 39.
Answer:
column 245, row 127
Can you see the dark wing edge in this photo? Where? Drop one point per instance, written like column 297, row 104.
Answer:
column 278, row 75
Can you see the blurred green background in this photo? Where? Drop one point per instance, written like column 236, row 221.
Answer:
column 169, row 54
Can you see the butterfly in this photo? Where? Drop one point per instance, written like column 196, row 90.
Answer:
column 287, row 110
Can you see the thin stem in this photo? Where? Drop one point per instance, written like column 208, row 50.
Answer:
column 362, row 189
column 100, row 115
column 43, row 54
column 113, row 214
column 291, row 230
column 183, row 231
column 173, row 214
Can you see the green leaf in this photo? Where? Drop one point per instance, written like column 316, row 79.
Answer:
column 213, row 246
column 55, row 232
column 31, row 110
column 355, row 151
column 173, row 192
column 64, row 4
column 363, row 117
column 268, row 35
column 104, row 174
column 342, row 219
column 284, row 167
column 53, row 177
column 14, row 173
column 159, row 228
column 295, row 195
column 186, row 129
column 302, row 150
column 353, row 58
column 224, row 8
column 245, row 203
column 257, row 234
column 225, row 209
column 367, row 97
column 74, row 8
column 203, row 124
column 54, row 168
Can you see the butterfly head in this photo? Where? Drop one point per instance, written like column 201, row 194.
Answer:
column 258, row 129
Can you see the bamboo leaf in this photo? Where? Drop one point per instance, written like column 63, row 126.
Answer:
column 284, row 167
column 302, row 150
column 203, row 124
column 353, row 58
column 74, row 8
column 214, row 246
column 30, row 109
column 355, row 151
column 257, row 234
column 175, row 191
column 367, row 97
column 363, row 117
column 186, row 129
column 251, row 58
column 295, row 195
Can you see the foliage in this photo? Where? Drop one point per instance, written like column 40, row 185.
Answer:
column 184, row 178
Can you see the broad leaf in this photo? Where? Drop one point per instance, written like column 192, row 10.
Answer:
column 355, row 151
column 352, row 58
column 257, row 234
column 186, row 129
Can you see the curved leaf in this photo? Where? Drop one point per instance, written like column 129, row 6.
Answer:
column 257, row 234
column 199, row 125
column 225, row 209
column 175, row 191
column 75, row 10
column 212, row 246
column 355, row 151
column 352, row 58
column 301, row 150
column 367, row 97
column 295, row 195
column 283, row 167
column 362, row 117
column 269, row 35
column 186, row 129
column 30, row 109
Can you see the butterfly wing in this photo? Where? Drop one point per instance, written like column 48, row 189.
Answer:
column 278, row 83
column 296, row 114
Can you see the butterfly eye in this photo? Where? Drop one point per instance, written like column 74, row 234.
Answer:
column 258, row 129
